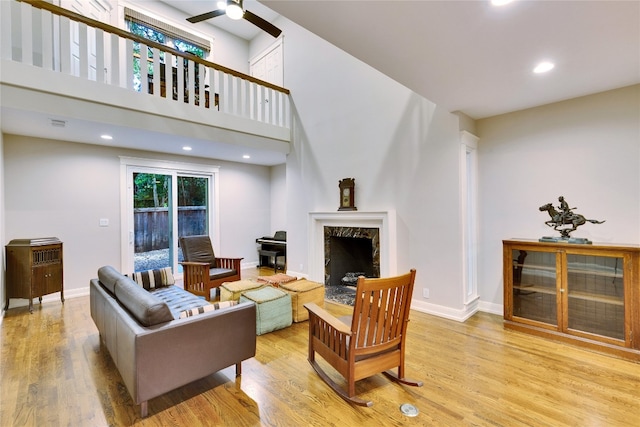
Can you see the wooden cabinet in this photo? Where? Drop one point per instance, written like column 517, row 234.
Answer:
column 583, row 294
column 34, row 269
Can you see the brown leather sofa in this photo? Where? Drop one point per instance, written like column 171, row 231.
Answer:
column 154, row 350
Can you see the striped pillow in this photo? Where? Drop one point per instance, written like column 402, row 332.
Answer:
column 206, row 308
column 152, row 279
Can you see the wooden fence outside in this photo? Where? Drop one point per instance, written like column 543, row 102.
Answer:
column 152, row 226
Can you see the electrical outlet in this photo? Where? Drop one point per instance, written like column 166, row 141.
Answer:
column 425, row 292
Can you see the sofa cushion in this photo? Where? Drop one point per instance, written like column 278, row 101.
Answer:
column 108, row 276
column 206, row 308
column 151, row 279
column 178, row 299
column 143, row 306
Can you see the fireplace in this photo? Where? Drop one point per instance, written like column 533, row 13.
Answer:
column 349, row 253
column 377, row 227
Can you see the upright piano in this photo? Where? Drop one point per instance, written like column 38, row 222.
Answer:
column 271, row 248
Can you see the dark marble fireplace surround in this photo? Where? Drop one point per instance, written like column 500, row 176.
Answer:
column 362, row 235
column 379, row 226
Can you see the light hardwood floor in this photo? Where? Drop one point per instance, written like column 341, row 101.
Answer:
column 55, row 373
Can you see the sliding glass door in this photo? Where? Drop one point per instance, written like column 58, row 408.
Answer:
column 153, row 214
column 163, row 205
column 193, row 208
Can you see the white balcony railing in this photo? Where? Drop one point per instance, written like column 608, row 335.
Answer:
column 40, row 34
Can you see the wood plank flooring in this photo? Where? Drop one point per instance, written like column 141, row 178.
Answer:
column 54, row 373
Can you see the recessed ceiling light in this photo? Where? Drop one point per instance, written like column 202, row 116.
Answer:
column 186, row 148
column 107, row 137
column 543, row 67
column 246, row 156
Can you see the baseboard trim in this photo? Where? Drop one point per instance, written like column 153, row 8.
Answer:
column 459, row 315
column 492, row 308
column 55, row 297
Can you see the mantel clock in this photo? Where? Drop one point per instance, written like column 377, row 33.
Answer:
column 347, row 194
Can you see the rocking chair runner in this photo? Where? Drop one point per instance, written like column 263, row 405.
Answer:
column 374, row 343
column 204, row 271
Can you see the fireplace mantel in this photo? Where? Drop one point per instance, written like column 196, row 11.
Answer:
column 385, row 221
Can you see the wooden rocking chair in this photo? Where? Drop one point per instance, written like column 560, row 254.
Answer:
column 204, row 271
column 374, row 343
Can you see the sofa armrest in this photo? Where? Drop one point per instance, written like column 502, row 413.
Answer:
column 185, row 350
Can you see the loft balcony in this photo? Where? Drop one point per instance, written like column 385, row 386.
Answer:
column 58, row 66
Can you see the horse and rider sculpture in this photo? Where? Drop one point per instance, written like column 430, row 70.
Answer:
column 565, row 216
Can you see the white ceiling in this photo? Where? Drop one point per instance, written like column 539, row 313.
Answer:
column 472, row 57
column 240, row 28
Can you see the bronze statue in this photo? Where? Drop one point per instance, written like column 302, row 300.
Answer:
column 563, row 216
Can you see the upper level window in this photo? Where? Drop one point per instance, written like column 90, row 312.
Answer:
column 165, row 39
column 160, row 32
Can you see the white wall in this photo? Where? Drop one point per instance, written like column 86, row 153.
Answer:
column 62, row 189
column 245, row 209
column 403, row 151
column 278, row 192
column 586, row 149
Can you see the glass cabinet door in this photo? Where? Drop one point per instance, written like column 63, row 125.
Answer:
column 534, row 286
column 595, row 295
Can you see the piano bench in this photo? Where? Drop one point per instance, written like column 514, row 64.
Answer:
column 268, row 254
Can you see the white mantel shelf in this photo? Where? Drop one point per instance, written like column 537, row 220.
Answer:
column 385, row 221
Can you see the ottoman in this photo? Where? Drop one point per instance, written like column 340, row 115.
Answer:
column 273, row 308
column 230, row 291
column 303, row 291
column 276, row 279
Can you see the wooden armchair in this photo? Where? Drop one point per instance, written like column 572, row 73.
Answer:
column 375, row 340
column 204, row 271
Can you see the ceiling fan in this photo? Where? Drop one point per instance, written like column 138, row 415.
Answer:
column 234, row 10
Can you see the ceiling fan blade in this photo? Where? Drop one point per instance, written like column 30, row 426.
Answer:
column 206, row 16
column 262, row 24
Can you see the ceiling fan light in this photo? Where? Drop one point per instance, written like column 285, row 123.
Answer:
column 222, row 4
column 234, row 9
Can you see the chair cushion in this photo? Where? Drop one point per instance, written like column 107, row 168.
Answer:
column 221, row 273
column 143, row 306
column 151, row 279
column 197, row 249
